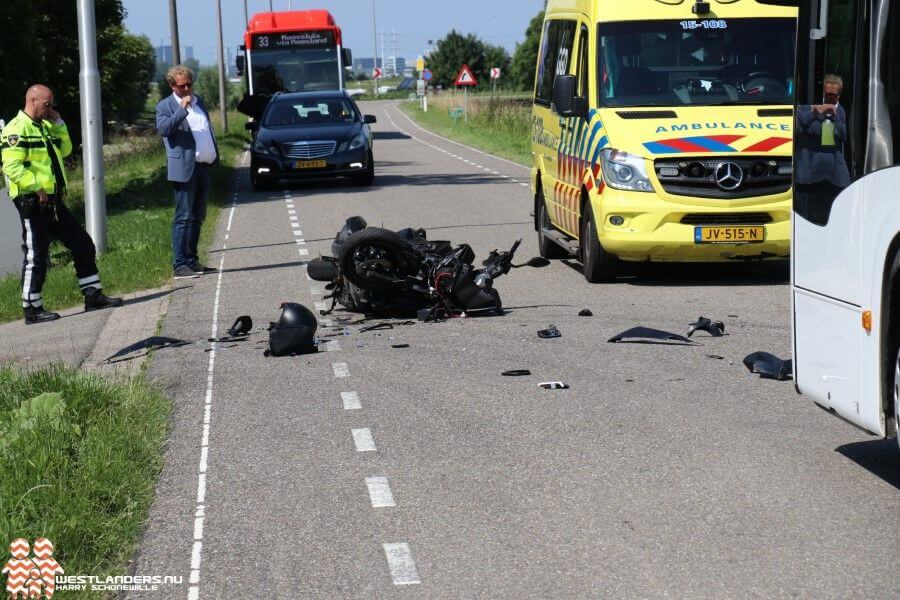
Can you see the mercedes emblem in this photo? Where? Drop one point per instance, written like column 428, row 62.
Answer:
column 729, row 176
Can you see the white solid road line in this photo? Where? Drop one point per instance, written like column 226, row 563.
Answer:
column 351, row 401
column 363, row 440
column 203, row 466
column 380, row 492
column 417, row 126
column 401, row 563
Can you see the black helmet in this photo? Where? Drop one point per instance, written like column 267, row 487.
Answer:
column 295, row 331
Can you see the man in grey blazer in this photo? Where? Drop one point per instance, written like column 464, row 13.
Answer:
column 183, row 122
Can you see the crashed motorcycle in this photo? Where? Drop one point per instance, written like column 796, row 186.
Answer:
column 398, row 273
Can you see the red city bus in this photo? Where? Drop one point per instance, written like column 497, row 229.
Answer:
column 294, row 51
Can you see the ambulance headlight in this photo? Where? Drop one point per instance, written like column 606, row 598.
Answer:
column 623, row 171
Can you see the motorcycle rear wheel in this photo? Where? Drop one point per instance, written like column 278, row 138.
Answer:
column 389, row 257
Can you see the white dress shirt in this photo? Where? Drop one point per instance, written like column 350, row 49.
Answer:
column 200, row 129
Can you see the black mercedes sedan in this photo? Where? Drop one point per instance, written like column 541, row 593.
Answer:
column 311, row 135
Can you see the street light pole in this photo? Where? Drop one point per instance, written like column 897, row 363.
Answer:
column 173, row 24
column 246, row 16
column 223, row 107
column 91, row 126
column 374, row 50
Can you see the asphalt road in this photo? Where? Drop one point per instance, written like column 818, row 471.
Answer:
column 373, row 472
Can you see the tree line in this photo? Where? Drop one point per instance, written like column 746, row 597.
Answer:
column 39, row 44
column 456, row 49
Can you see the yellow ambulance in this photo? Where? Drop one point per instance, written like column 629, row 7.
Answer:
column 662, row 131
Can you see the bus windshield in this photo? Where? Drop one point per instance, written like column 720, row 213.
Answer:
column 295, row 70
column 703, row 62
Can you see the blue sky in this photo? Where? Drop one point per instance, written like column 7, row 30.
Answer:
column 500, row 22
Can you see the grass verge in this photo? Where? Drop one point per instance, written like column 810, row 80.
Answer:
column 140, row 209
column 496, row 126
column 79, row 460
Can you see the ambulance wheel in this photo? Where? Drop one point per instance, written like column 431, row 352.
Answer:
column 599, row 265
column 546, row 247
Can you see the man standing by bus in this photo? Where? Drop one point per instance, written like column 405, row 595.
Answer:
column 183, row 122
column 33, row 146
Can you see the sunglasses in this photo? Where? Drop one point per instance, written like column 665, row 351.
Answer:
column 189, row 84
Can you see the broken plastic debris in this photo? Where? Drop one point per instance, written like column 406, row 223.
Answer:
column 646, row 333
column 714, row 328
column 585, row 313
column 769, row 366
column 242, row 326
column 399, row 345
column 554, row 385
column 549, row 333
column 516, row 373
column 149, row 344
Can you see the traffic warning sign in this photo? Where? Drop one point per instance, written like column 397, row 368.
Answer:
column 466, row 77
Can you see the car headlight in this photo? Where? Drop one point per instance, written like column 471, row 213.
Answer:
column 624, row 171
column 354, row 144
column 260, row 147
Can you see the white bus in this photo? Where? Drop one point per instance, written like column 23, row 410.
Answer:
column 846, row 224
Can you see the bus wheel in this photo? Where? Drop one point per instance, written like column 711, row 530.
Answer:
column 599, row 265
column 897, row 398
column 546, row 248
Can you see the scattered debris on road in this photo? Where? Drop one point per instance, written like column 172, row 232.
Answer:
column 769, row 366
column 554, row 385
column 714, row 328
column 294, row 332
column 647, row 335
column 516, row 373
column 549, row 333
column 147, row 345
column 586, row 313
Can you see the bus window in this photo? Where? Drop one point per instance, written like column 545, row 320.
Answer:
column 891, row 76
column 828, row 150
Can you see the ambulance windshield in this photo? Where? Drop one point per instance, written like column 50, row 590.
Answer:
column 705, row 62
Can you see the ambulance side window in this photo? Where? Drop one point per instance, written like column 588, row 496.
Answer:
column 582, row 73
column 555, row 57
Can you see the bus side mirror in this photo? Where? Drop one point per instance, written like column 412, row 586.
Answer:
column 565, row 103
column 369, row 119
column 239, row 63
column 346, row 57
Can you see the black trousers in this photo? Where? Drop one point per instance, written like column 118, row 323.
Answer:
column 39, row 223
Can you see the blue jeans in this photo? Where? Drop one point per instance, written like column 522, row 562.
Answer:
column 190, row 212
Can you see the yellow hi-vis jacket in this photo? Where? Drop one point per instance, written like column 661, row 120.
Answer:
column 25, row 147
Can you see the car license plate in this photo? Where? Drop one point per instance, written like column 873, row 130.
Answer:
column 310, row 164
column 729, row 235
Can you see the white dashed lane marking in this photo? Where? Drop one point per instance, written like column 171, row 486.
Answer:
column 351, row 401
column 380, row 492
column 401, row 563
column 341, row 370
column 363, row 440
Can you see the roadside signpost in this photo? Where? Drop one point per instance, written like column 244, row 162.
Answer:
column 427, row 75
column 495, row 75
column 466, row 79
column 376, row 73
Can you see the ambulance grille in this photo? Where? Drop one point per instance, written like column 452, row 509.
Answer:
column 760, row 176
column 727, row 219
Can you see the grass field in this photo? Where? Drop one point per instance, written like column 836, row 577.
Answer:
column 139, row 211
column 79, row 460
column 496, row 125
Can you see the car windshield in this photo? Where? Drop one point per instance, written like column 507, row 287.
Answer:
column 310, row 111
column 295, row 70
column 704, row 62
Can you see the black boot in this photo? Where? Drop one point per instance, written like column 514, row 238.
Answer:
column 39, row 315
column 95, row 299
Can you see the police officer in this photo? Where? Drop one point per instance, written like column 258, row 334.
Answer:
column 32, row 147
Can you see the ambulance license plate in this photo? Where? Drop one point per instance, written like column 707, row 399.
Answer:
column 310, row 164
column 729, row 235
